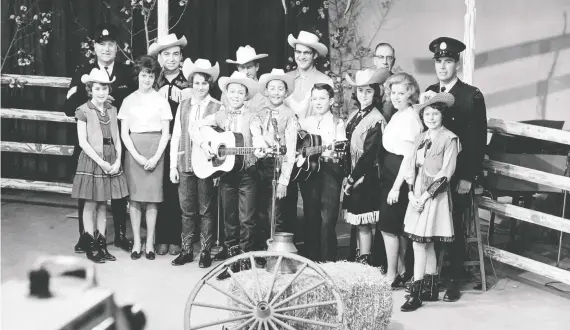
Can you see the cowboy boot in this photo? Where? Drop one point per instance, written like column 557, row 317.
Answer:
column 452, row 294
column 222, row 254
column 414, row 300
column 430, row 290
column 93, row 251
column 121, row 240
column 235, row 267
column 102, row 243
column 81, row 245
column 186, row 254
column 364, row 259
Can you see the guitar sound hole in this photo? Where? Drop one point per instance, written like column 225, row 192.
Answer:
column 221, row 152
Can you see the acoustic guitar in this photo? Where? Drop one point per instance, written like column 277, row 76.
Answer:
column 309, row 150
column 229, row 152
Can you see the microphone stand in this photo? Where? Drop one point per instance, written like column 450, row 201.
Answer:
column 274, row 180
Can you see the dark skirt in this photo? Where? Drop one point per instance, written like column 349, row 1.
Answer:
column 145, row 186
column 361, row 206
column 391, row 217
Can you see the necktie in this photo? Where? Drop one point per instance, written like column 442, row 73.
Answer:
column 107, row 70
column 443, row 89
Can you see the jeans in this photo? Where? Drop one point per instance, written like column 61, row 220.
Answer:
column 197, row 204
column 239, row 193
column 321, row 203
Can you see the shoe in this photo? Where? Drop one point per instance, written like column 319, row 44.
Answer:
column 398, row 283
column 121, row 240
column 260, row 262
column 205, row 259
column 136, row 255
column 174, row 249
column 235, row 267
column 162, row 249
column 150, row 255
column 80, row 247
column 244, row 264
column 102, row 242
column 222, row 255
column 414, row 300
column 183, row 258
column 364, row 259
column 430, row 290
column 453, row 293
column 93, row 252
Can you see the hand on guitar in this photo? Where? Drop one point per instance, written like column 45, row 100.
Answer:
column 260, row 153
column 207, row 150
column 174, row 176
column 281, row 191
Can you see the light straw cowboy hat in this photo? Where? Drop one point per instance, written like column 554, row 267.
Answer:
column 246, row 54
column 97, row 76
column 446, row 98
column 310, row 40
column 276, row 74
column 201, row 65
column 164, row 42
column 368, row 77
column 239, row 78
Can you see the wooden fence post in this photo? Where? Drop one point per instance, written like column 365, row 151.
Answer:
column 469, row 40
column 162, row 21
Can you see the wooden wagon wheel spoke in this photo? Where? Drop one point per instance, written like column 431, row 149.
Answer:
column 227, row 308
column 273, row 277
column 288, row 284
column 312, row 287
column 240, row 285
column 254, row 269
column 305, row 306
column 283, row 324
column 272, row 324
column 253, row 325
column 260, row 325
column 215, row 286
column 232, row 319
column 245, row 324
column 302, row 320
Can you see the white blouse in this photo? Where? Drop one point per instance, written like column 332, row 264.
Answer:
column 145, row 111
column 401, row 132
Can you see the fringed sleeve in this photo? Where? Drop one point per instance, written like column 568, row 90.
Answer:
column 372, row 150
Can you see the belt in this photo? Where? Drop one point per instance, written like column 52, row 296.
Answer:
column 108, row 141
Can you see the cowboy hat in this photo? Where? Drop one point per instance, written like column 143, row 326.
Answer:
column 310, row 40
column 446, row 98
column 239, row 78
column 246, row 54
column 164, row 42
column 276, row 74
column 97, row 76
column 201, row 65
column 368, row 77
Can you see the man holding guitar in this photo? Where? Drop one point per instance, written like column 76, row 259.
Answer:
column 238, row 186
column 321, row 191
column 279, row 125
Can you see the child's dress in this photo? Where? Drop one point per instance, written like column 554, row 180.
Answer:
column 90, row 182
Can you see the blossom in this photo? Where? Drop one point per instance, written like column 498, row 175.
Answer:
column 92, row 61
column 305, row 9
column 128, row 62
column 23, row 8
column 35, row 17
column 288, row 67
column 298, row 3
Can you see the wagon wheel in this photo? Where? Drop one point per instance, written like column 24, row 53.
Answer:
column 264, row 311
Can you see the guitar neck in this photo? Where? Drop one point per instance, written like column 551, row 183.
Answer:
column 241, row 151
column 316, row 150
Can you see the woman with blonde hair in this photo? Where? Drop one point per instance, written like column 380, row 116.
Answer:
column 398, row 140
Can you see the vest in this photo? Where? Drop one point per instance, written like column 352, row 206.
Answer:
column 360, row 132
column 94, row 133
column 285, row 115
column 245, row 130
column 185, row 144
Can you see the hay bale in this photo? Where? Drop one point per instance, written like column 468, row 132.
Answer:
column 365, row 292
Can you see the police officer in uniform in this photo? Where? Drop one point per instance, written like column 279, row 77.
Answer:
column 468, row 120
column 105, row 47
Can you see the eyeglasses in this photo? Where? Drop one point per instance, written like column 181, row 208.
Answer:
column 305, row 53
column 382, row 58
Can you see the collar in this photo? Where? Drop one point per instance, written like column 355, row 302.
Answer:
column 106, row 105
column 109, row 67
column 305, row 74
column 236, row 112
column 366, row 110
column 450, row 85
column 202, row 103
column 178, row 81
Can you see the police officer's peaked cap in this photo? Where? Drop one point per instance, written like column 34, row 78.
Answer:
column 106, row 31
column 446, row 47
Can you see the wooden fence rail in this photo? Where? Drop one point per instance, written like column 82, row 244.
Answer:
column 36, row 115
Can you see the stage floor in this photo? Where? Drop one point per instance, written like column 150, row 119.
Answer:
column 31, row 230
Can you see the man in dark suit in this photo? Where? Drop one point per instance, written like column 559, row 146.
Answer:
column 106, row 51
column 467, row 118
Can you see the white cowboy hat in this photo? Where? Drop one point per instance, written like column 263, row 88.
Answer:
column 97, row 76
column 239, row 78
column 367, row 77
column 446, row 98
column 201, row 65
column 164, row 42
column 276, row 74
column 310, row 40
column 246, row 54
